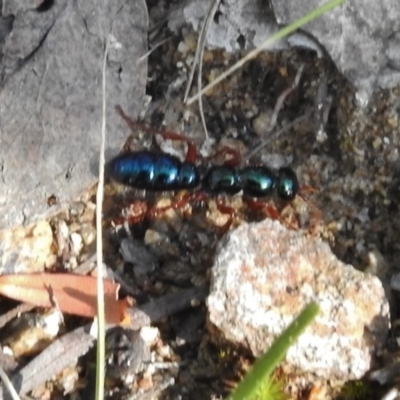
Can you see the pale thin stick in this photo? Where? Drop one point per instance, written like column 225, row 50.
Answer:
column 391, row 394
column 201, row 43
column 209, row 18
column 101, row 345
column 278, row 106
column 198, row 58
column 8, row 384
column 282, row 97
column 201, row 110
column 144, row 56
column 275, row 136
column 274, row 38
column 323, row 103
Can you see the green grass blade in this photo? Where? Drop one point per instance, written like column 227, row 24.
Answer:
column 286, row 31
column 264, row 366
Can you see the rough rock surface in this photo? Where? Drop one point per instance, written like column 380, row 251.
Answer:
column 51, row 97
column 26, row 249
column 262, row 278
column 363, row 39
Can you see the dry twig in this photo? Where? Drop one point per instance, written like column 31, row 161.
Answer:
column 198, row 58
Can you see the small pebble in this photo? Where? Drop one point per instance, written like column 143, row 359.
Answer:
column 261, row 123
column 77, row 208
column 27, row 249
column 88, row 233
column 77, row 243
column 152, row 237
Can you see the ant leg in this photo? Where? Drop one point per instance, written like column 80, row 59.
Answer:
column 179, row 203
column 133, row 126
column 199, row 196
column 133, row 213
column 138, row 210
column 227, row 210
column 285, row 217
column 191, row 154
column 302, row 194
column 315, row 214
column 235, row 157
column 306, row 189
column 220, row 215
column 259, row 205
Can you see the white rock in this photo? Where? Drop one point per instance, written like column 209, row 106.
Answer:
column 263, row 277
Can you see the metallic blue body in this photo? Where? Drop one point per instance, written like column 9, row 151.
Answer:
column 165, row 172
column 257, row 181
column 153, row 171
column 222, row 179
column 254, row 181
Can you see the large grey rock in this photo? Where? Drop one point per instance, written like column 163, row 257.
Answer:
column 264, row 275
column 240, row 23
column 51, row 97
column 361, row 37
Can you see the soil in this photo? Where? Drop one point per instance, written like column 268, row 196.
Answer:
column 354, row 168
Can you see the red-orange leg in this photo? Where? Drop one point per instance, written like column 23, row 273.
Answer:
column 196, row 197
column 235, row 157
column 285, row 216
column 315, row 214
column 133, row 213
column 228, row 210
column 133, row 125
column 191, row 154
column 137, row 211
column 304, row 190
column 260, row 205
column 179, row 203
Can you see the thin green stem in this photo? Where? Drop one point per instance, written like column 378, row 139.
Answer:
column 286, row 31
column 264, row 366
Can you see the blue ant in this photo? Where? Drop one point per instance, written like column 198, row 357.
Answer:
column 158, row 171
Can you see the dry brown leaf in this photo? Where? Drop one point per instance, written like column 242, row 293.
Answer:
column 72, row 294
